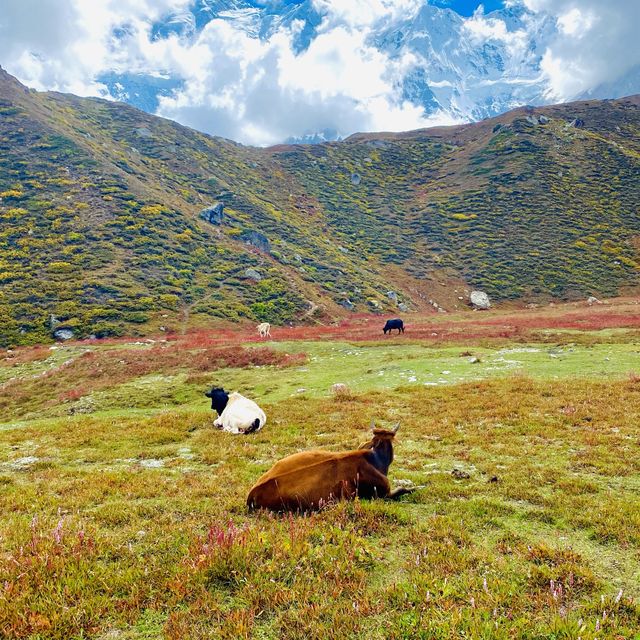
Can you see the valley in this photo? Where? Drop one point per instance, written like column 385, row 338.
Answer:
column 125, row 509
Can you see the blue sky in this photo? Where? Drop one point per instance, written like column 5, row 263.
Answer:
column 467, row 7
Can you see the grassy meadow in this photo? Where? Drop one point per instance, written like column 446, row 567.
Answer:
column 124, row 511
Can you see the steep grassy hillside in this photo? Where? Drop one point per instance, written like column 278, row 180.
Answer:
column 100, row 230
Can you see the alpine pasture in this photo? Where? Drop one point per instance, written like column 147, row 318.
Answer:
column 124, row 512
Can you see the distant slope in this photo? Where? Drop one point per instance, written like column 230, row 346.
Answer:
column 99, row 223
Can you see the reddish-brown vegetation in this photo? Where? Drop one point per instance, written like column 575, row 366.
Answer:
column 97, row 370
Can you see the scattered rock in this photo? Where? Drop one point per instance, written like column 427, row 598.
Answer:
column 480, row 300
column 53, row 321
column 253, row 274
column 82, row 406
column 144, row 132
column 355, row 179
column 578, row 123
column 591, row 300
column 543, row 120
column 403, row 307
column 475, row 360
column 23, row 463
column 347, row 304
column 213, row 214
column 392, row 295
column 63, row 334
column 152, row 463
column 377, row 144
column 532, row 119
column 459, row 474
column 340, row 389
column 257, row 240
column 494, row 479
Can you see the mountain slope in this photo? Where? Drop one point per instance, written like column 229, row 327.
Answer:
column 100, row 225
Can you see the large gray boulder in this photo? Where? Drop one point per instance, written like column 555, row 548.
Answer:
column 213, row 214
column 63, row 334
column 347, row 304
column 480, row 300
column 253, row 274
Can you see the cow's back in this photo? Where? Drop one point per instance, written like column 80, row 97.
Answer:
column 307, row 480
column 240, row 413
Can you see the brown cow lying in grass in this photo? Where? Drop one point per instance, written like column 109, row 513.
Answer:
column 311, row 479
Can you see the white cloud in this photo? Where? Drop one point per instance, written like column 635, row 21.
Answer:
column 64, row 44
column 596, row 42
column 479, row 28
column 263, row 91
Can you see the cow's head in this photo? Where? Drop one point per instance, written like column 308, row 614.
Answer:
column 381, row 446
column 219, row 398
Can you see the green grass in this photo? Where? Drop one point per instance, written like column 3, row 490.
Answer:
column 367, row 367
column 129, row 521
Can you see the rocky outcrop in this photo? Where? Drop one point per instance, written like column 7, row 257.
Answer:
column 347, row 304
column 256, row 239
column 213, row 214
column 253, row 274
column 480, row 300
column 144, row 132
column 63, row 334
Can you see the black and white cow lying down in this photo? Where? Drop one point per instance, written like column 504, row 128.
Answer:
column 236, row 414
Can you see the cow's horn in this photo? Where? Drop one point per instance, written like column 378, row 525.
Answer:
column 373, row 424
column 396, row 427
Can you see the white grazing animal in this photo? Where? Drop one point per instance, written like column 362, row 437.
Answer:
column 264, row 330
column 241, row 415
